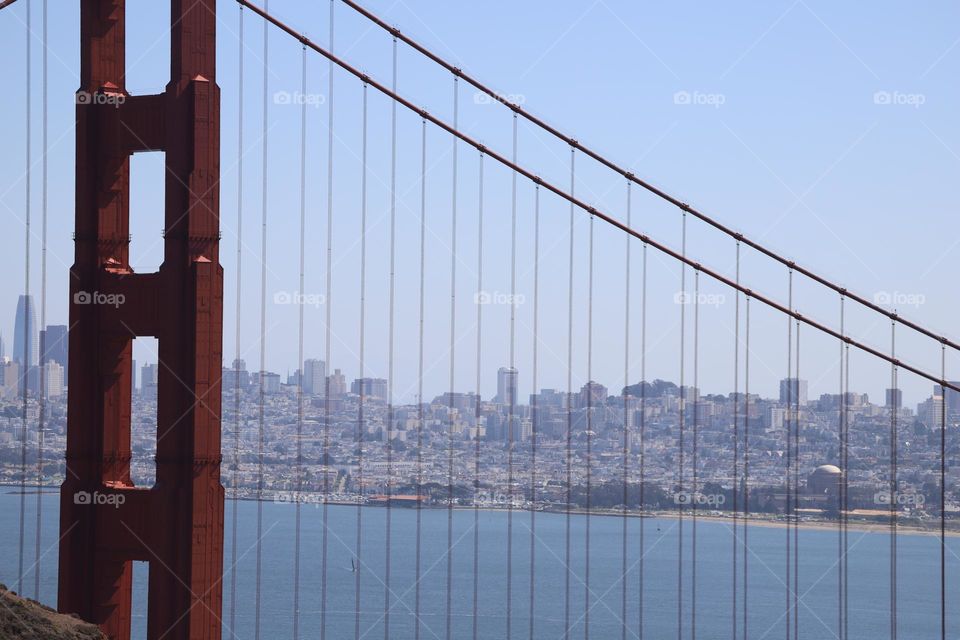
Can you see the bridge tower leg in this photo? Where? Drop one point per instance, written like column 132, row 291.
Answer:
column 106, row 522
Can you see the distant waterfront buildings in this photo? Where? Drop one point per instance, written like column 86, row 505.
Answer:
column 792, row 390
column 370, row 388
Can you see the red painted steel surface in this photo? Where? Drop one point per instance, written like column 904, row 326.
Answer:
column 105, row 521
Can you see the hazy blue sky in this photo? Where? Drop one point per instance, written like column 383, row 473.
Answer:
column 827, row 130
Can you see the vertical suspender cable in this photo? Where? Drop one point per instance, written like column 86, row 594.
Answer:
column 586, row 581
column 235, row 474
column 746, row 460
column 361, row 424
column 682, row 419
column 303, row 219
column 423, row 237
column 796, row 497
column 477, row 416
column 846, row 496
column 511, row 411
column 535, row 417
column 324, row 536
column 43, row 313
column 626, row 427
column 453, row 334
column 894, row 406
column 693, row 461
column 789, row 495
column 842, row 496
column 643, row 436
column 566, row 558
column 390, row 349
column 27, row 315
column 736, row 445
column 263, row 325
column 943, row 473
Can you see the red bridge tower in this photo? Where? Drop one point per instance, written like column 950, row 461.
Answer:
column 105, row 521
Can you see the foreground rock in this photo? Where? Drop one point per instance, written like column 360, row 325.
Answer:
column 23, row 619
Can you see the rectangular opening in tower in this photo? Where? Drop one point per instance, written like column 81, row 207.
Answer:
column 143, row 414
column 138, row 603
column 147, row 177
column 147, row 47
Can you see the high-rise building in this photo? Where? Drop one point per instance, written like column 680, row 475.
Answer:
column 3, row 348
column 894, row 398
column 792, row 390
column 370, row 387
column 338, row 384
column 53, row 379
column 592, row 394
column 507, row 386
column 53, row 344
column 9, row 379
column 148, row 380
column 271, row 381
column 951, row 397
column 133, row 378
column 314, row 377
column 26, row 340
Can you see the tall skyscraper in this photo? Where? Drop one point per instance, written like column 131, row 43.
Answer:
column 338, row 384
column 148, row 380
column 314, row 377
column 53, row 346
column 26, row 340
column 507, row 386
column 791, row 389
column 894, row 398
column 53, row 379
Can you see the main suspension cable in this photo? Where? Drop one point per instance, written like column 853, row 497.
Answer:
column 630, row 176
column 577, row 203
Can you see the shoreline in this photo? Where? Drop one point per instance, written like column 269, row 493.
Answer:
column 864, row 526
